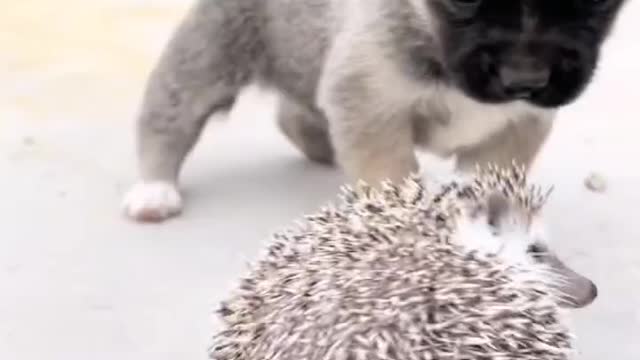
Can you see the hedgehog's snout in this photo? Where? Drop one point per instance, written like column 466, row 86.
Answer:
column 576, row 290
column 582, row 296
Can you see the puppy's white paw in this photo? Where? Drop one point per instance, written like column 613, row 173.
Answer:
column 152, row 202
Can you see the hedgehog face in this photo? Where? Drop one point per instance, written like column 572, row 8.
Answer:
column 501, row 228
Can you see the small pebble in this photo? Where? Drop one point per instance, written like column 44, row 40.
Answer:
column 596, row 183
column 29, row 141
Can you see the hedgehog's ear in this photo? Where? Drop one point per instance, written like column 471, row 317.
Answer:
column 498, row 209
column 495, row 209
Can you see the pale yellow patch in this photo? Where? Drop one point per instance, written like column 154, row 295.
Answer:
column 78, row 58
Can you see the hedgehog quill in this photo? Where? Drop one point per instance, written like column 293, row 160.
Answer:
column 461, row 270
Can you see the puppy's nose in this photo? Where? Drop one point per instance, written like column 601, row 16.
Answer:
column 521, row 78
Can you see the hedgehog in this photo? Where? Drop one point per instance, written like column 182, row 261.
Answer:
column 459, row 270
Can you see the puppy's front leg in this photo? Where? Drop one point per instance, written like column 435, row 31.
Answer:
column 368, row 118
column 374, row 147
column 520, row 141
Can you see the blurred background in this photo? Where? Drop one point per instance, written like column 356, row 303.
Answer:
column 67, row 59
column 78, row 281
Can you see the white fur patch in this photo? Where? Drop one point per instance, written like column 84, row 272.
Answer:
column 437, row 170
column 469, row 122
column 424, row 14
column 152, row 202
column 510, row 245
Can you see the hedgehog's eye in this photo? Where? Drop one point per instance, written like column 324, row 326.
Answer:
column 537, row 251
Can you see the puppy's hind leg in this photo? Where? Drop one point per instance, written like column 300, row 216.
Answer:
column 200, row 72
column 307, row 129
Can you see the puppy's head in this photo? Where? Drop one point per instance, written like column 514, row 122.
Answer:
column 540, row 51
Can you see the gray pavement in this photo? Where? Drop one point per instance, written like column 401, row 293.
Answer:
column 78, row 281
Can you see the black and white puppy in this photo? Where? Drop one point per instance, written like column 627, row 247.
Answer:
column 363, row 82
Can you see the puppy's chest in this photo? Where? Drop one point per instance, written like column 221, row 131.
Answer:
column 446, row 120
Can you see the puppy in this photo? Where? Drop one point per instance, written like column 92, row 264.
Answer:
column 363, row 83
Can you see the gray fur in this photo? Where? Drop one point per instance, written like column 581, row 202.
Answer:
column 361, row 81
column 307, row 129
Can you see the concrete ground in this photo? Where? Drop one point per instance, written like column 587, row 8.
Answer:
column 78, row 281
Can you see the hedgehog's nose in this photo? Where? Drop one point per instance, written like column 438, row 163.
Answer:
column 591, row 295
column 594, row 292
